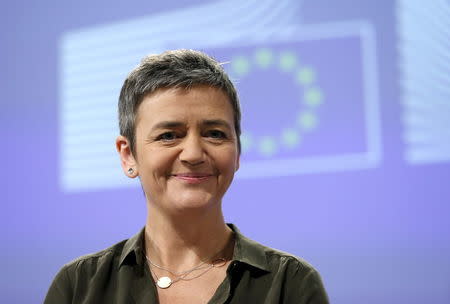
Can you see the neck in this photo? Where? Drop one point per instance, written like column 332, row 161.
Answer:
column 184, row 240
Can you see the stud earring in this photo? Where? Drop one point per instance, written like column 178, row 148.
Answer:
column 130, row 171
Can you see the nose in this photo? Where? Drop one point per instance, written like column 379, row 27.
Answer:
column 192, row 152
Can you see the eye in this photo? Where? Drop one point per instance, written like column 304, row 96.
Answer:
column 167, row 136
column 216, row 134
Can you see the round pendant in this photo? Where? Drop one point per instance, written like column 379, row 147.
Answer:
column 164, row 282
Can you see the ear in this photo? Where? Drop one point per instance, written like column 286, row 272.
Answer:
column 127, row 159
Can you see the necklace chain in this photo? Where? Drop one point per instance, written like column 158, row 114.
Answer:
column 198, row 267
column 166, row 282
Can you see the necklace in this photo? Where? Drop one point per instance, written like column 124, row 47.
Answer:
column 166, row 282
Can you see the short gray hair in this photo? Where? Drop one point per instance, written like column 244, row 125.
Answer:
column 172, row 69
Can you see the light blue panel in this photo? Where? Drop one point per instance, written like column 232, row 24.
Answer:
column 424, row 56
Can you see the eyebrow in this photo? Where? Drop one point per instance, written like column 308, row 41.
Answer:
column 167, row 125
column 177, row 124
column 217, row 122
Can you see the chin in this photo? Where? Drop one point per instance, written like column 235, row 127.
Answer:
column 194, row 201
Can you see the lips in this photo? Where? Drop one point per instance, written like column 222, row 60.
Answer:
column 193, row 178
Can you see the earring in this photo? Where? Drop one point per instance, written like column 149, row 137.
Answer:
column 130, row 171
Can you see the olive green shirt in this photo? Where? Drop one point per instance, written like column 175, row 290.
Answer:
column 119, row 275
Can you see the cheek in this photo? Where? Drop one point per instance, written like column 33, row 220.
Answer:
column 228, row 162
column 154, row 164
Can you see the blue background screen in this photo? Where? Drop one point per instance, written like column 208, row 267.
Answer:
column 345, row 145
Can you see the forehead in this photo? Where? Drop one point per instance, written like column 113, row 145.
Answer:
column 203, row 102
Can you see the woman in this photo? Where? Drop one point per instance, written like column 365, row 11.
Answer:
column 179, row 122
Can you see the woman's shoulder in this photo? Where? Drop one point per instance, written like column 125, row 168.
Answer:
column 291, row 259
column 96, row 258
column 85, row 275
column 268, row 258
column 279, row 272
column 114, row 254
column 94, row 265
column 279, row 258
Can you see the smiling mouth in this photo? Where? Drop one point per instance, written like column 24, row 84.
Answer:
column 193, row 178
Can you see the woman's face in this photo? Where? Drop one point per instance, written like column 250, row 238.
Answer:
column 186, row 147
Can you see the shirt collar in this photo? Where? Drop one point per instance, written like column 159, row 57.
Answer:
column 245, row 250
column 133, row 249
column 248, row 251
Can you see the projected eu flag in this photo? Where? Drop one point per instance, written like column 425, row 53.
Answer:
column 307, row 109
